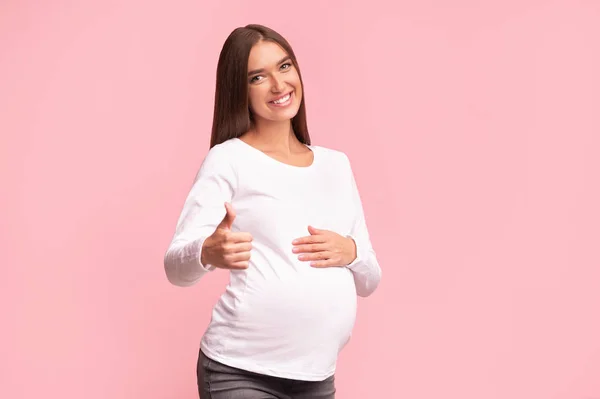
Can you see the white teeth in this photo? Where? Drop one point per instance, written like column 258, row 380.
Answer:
column 283, row 99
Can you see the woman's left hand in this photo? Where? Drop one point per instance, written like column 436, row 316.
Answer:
column 325, row 248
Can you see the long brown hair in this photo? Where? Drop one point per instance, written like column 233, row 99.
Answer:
column 232, row 116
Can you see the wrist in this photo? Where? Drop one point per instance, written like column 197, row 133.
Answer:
column 352, row 249
column 204, row 261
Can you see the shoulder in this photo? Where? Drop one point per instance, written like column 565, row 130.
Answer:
column 223, row 154
column 223, row 151
column 332, row 155
column 219, row 160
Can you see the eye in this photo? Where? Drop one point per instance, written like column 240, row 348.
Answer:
column 255, row 79
column 287, row 65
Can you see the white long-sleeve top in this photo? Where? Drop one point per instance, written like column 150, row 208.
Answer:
column 280, row 316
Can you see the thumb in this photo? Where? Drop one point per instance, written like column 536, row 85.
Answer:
column 314, row 231
column 229, row 217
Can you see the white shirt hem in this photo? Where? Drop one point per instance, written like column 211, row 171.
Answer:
column 255, row 368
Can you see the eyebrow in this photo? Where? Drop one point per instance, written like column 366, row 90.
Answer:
column 286, row 58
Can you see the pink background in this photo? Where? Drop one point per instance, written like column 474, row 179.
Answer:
column 474, row 133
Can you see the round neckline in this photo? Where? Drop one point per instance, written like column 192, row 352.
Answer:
column 278, row 162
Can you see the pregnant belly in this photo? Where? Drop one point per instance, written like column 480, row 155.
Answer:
column 314, row 310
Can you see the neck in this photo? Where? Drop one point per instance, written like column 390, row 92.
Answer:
column 273, row 136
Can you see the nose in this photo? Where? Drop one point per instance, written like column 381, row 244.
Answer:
column 278, row 86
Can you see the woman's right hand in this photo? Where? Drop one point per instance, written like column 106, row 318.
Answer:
column 225, row 249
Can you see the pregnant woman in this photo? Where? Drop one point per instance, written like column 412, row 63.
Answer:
column 285, row 218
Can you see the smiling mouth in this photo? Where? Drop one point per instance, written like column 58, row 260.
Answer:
column 282, row 100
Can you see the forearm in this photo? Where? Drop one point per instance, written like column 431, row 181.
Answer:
column 365, row 269
column 202, row 211
column 182, row 263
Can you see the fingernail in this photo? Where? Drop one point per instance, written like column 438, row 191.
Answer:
column 295, row 250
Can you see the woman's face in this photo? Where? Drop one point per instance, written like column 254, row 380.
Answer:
column 274, row 89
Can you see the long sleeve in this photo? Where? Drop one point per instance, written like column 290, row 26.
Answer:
column 203, row 210
column 365, row 268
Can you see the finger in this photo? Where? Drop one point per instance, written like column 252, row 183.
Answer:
column 240, row 265
column 227, row 221
column 313, row 230
column 324, row 263
column 310, row 248
column 242, row 247
column 239, row 237
column 310, row 240
column 238, row 257
column 237, row 247
column 323, row 255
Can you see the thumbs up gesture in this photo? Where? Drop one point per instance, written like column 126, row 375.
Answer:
column 226, row 249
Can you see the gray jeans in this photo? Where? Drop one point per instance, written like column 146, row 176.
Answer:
column 218, row 381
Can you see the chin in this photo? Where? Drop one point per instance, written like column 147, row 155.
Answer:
column 280, row 116
column 288, row 115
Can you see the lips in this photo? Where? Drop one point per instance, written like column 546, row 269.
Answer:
column 282, row 99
